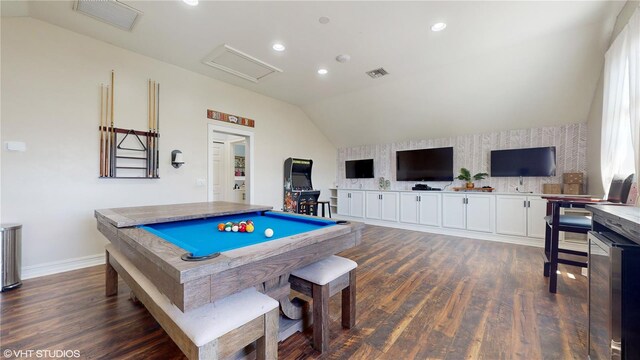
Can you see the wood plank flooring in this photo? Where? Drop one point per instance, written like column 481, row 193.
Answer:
column 420, row 296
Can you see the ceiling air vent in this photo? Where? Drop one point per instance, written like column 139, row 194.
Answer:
column 237, row 63
column 377, row 73
column 111, row 12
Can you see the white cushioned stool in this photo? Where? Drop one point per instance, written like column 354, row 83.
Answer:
column 213, row 331
column 320, row 281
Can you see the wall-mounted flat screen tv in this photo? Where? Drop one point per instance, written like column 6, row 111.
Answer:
column 425, row 165
column 359, row 169
column 540, row 161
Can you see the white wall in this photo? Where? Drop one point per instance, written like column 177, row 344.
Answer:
column 50, row 100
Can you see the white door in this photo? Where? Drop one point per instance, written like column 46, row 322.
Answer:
column 429, row 206
column 357, row 204
column 389, row 203
column 373, row 205
column 217, row 180
column 454, row 211
column 511, row 215
column 343, row 202
column 480, row 212
column 536, row 225
column 409, row 207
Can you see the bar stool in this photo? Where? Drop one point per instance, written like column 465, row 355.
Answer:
column 322, row 204
column 320, row 281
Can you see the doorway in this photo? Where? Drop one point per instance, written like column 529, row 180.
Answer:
column 230, row 164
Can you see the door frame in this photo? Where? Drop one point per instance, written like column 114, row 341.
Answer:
column 249, row 163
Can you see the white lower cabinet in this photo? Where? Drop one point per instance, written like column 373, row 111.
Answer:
column 468, row 212
column 382, row 205
column 505, row 214
column 351, row 203
column 520, row 215
column 420, row 208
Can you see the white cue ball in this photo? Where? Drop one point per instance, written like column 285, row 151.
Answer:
column 268, row 233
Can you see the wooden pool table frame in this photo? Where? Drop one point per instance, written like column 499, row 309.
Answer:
column 189, row 285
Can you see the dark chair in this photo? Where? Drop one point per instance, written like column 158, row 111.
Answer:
column 618, row 194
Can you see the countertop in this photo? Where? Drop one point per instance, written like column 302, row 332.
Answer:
column 624, row 220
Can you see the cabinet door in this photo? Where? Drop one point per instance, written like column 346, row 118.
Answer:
column 480, row 212
column 389, row 206
column 343, row 202
column 537, row 210
column 511, row 215
column 453, row 211
column 409, row 207
column 357, row 204
column 429, row 209
column 373, row 204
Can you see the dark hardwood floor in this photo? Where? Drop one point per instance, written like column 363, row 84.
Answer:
column 419, row 296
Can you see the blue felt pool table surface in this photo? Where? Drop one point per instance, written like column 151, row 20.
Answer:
column 201, row 237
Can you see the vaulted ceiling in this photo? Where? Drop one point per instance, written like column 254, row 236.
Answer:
column 497, row 65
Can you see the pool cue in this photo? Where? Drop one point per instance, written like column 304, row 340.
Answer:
column 101, row 130
column 113, row 129
column 107, row 140
column 149, row 126
column 157, row 137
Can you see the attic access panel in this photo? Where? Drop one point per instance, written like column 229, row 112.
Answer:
column 237, row 63
column 112, row 12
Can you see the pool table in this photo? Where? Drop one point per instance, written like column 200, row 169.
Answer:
column 161, row 241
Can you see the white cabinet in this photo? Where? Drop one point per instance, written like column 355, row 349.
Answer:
column 520, row 215
column 536, row 211
column 351, row 203
column 468, row 211
column 420, row 208
column 382, row 205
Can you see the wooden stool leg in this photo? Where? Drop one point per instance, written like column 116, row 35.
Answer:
column 547, row 247
column 320, row 317
column 267, row 345
column 329, row 207
column 111, row 278
column 349, row 302
column 553, row 251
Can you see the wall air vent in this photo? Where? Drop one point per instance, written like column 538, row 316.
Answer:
column 112, row 12
column 237, row 63
column 377, row 73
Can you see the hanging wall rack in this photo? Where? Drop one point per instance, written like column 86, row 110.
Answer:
column 128, row 153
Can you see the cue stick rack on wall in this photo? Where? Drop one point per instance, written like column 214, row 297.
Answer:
column 123, row 153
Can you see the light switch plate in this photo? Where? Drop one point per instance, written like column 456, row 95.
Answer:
column 16, row 146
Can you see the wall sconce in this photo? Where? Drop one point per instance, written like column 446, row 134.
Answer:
column 176, row 158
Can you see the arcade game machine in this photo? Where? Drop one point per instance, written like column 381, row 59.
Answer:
column 299, row 196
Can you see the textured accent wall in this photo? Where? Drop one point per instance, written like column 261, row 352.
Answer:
column 473, row 152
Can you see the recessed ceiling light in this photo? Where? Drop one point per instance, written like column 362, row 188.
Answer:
column 322, row 71
column 438, row 26
column 191, row 2
column 343, row 58
column 278, row 47
column 323, row 20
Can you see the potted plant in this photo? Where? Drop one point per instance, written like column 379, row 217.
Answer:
column 465, row 175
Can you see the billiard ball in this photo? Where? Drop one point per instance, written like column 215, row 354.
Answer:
column 250, row 228
column 242, row 227
column 234, row 228
column 268, row 233
column 221, row 227
column 249, row 222
column 227, row 227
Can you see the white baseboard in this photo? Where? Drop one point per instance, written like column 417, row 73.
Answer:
column 54, row 267
column 519, row 240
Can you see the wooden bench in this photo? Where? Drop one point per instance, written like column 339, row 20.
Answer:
column 213, row 331
column 320, row 281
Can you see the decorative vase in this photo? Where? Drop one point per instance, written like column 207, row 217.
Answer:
column 470, row 185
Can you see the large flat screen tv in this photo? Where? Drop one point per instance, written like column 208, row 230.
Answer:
column 540, row 161
column 359, row 169
column 425, row 165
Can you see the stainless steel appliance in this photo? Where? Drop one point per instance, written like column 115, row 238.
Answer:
column 614, row 296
